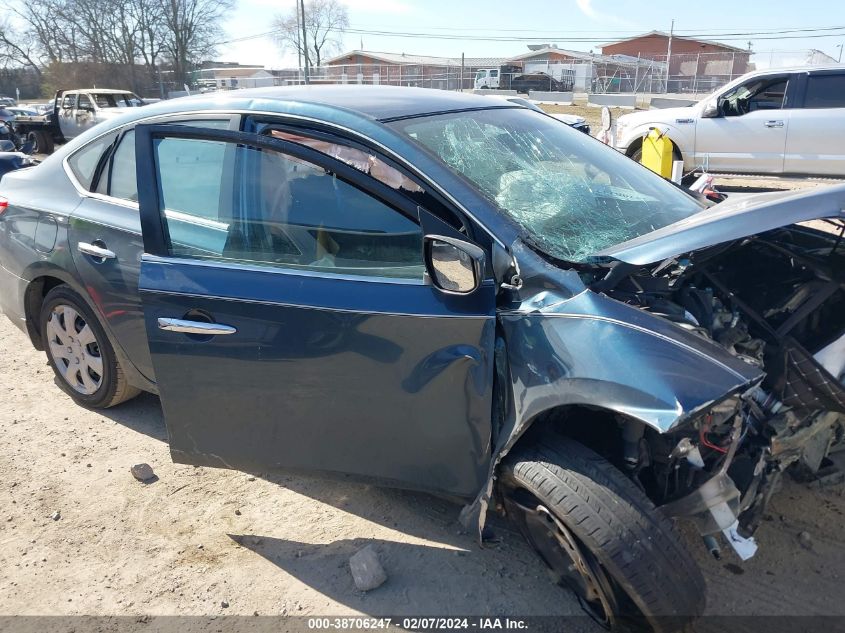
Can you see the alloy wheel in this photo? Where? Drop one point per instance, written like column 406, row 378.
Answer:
column 74, row 349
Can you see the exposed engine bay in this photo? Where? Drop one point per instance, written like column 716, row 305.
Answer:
column 777, row 301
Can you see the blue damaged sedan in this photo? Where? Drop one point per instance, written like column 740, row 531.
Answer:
column 438, row 291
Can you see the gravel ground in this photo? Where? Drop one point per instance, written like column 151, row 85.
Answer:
column 199, row 537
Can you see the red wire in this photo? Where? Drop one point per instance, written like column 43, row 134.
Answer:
column 705, row 441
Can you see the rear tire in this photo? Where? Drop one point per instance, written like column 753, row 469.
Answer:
column 644, row 576
column 42, row 142
column 79, row 352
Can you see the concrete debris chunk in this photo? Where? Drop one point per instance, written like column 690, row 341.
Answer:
column 805, row 540
column 366, row 569
column 143, row 472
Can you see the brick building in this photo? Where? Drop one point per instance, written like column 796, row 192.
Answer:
column 695, row 63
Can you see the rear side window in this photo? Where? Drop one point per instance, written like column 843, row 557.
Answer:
column 118, row 178
column 84, row 163
column 825, row 91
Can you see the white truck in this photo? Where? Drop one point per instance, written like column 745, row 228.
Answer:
column 73, row 112
column 775, row 122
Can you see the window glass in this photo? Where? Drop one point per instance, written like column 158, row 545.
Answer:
column 120, row 180
column 85, row 102
column 825, row 91
column 572, row 197
column 84, row 163
column 231, row 202
column 763, row 93
column 115, row 100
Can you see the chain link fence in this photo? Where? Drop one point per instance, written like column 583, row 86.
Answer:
column 683, row 73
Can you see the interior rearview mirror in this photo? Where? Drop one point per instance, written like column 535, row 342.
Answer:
column 454, row 266
column 710, row 110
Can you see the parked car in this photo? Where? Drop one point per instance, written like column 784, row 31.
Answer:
column 73, row 112
column 779, row 122
column 543, row 82
column 18, row 111
column 572, row 120
column 433, row 290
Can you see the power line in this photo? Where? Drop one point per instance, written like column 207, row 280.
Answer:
column 563, row 37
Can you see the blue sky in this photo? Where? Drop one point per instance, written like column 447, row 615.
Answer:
column 604, row 20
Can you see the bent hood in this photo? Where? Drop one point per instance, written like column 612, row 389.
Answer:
column 731, row 220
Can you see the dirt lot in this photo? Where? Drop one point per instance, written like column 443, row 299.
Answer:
column 198, row 537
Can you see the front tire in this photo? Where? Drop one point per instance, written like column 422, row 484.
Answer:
column 602, row 536
column 79, row 352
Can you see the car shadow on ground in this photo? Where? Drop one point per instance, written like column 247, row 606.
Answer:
column 415, row 580
column 490, row 578
column 142, row 414
column 416, row 513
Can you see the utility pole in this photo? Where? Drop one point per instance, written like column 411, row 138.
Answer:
column 305, row 43
column 669, row 54
column 839, row 60
column 298, row 43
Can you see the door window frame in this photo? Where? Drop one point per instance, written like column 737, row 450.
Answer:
column 153, row 223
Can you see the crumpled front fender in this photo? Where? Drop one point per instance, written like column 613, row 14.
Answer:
column 591, row 350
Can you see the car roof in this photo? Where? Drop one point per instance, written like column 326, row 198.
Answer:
column 795, row 69
column 107, row 91
column 377, row 102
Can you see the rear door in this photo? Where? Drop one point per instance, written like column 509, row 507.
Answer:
column 815, row 143
column 107, row 220
column 750, row 135
column 290, row 323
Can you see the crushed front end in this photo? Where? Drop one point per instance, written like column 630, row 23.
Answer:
column 776, row 301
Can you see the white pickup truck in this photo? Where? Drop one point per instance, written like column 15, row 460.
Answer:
column 73, row 112
column 775, row 122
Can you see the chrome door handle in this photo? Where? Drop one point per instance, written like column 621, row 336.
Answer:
column 774, row 124
column 194, row 327
column 95, row 251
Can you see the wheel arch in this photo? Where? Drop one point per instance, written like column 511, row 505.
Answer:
column 599, row 428
column 41, row 282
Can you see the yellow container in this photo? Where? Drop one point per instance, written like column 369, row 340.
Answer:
column 657, row 153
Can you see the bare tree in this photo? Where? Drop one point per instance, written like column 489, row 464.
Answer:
column 192, row 30
column 325, row 22
column 17, row 50
column 123, row 39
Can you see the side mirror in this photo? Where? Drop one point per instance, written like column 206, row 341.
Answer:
column 454, row 266
column 710, row 110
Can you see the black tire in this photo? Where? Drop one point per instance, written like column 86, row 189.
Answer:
column 637, row 154
column 42, row 142
column 656, row 583
column 113, row 387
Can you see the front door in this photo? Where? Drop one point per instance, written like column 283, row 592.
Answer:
column 749, row 136
column 289, row 319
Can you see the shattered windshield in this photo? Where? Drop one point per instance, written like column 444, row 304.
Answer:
column 571, row 195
